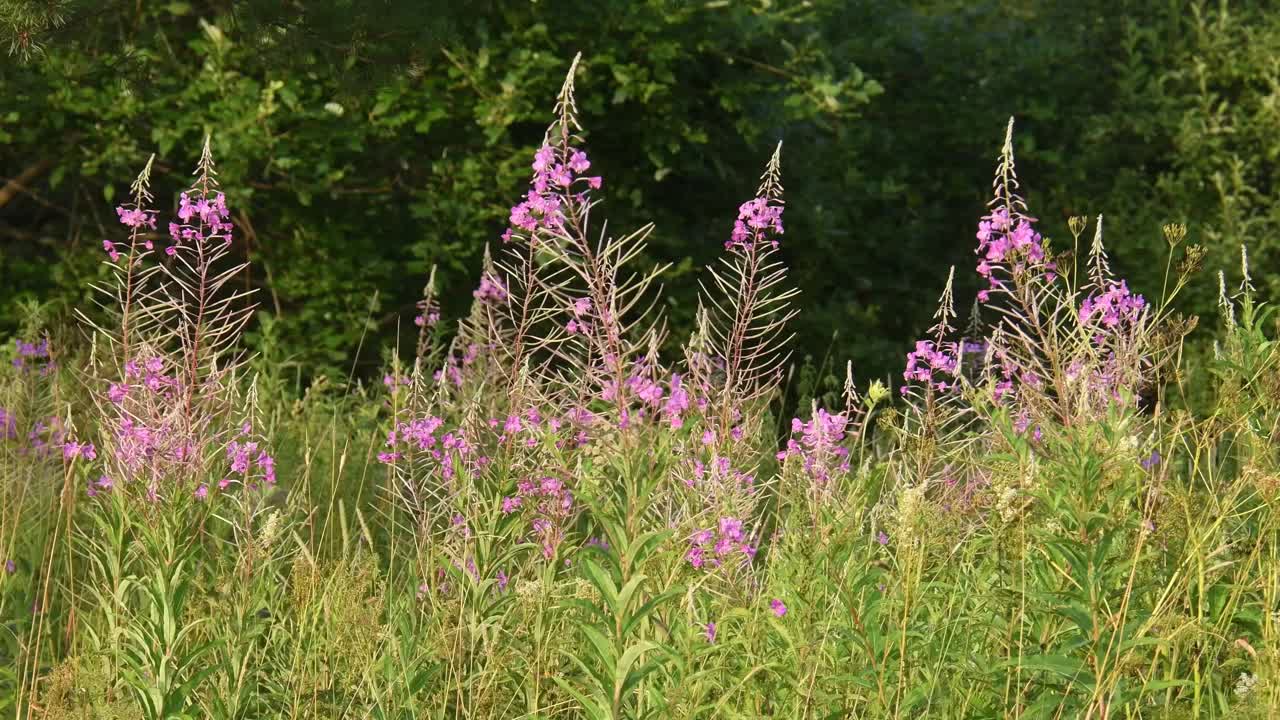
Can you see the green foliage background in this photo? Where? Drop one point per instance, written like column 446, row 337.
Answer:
column 359, row 141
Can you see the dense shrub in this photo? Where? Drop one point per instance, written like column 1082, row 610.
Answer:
column 362, row 148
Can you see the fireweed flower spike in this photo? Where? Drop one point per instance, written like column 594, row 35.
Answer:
column 8, row 425
column 1009, row 248
column 426, row 320
column 559, row 188
column 757, row 222
column 491, row 289
column 546, row 251
column 935, row 363
column 1110, row 309
column 559, row 276
column 745, row 309
column 72, row 450
column 932, row 364
column 815, row 445
column 136, row 216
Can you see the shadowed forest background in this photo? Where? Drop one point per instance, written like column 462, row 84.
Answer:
column 363, row 143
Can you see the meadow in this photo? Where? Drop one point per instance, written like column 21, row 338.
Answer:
column 1054, row 511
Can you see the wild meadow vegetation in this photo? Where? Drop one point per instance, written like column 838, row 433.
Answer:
column 545, row 513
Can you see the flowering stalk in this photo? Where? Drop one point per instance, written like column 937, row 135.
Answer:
column 201, row 239
column 746, row 310
column 605, row 304
column 165, row 404
column 136, row 218
column 427, row 318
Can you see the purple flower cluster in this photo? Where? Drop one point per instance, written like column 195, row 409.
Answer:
column 932, row 364
column 1151, row 461
column 719, row 476
column 32, row 350
column 1004, row 385
column 532, row 426
column 758, row 221
column 138, row 446
column 549, row 503
column 419, row 433
column 581, row 320
column 395, row 382
column 818, row 446
column 491, row 289
column 210, row 218
column 646, row 389
column 72, row 450
column 1114, row 307
column 514, row 424
column 422, row 436
column 677, row 402
column 555, row 172
column 148, row 443
column 148, row 374
column 101, row 485
column 136, row 217
column 245, row 457
column 429, row 316
column 1023, row 422
column 455, row 365
column 670, row 404
column 1002, row 243
column 710, row 548
column 33, row 356
column 1105, row 377
column 45, row 438
column 111, row 250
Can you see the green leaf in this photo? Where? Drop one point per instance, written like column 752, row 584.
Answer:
column 595, row 710
column 649, row 607
column 1068, row 667
column 622, row 673
column 603, row 584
